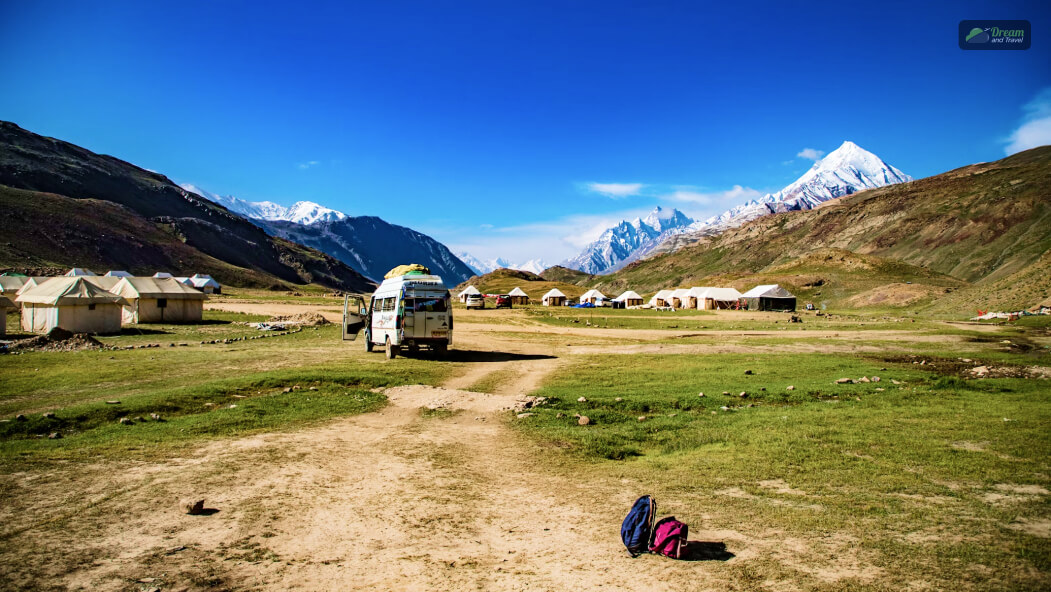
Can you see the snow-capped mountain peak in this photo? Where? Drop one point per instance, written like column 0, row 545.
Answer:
column 620, row 244
column 488, row 265
column 301, row 212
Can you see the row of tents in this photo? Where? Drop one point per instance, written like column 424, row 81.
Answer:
column 99, row 304
column 766, row 297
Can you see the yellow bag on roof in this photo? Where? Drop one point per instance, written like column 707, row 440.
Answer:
column 406, row 269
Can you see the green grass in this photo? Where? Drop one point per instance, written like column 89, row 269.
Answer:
column 907, row 471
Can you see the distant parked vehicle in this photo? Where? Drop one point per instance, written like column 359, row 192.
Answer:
column 475, row 301
column 503, row 301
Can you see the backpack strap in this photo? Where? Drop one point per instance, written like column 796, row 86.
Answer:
column 652, row 519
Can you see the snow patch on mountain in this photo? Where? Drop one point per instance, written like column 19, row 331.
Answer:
column 484, row 266
column 301, row 212
column 624, row 242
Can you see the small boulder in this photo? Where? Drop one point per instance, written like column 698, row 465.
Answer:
column 790, row 388
column 560, row 416
column 875, row 379
column 743, row 395
column 113, row 402
column 619, row 399
column 700, row 394
column 748, row 372
column 525, row 415
column 287, row 389
column 642, row 418
column 864, row 379
column 155, row 416
column 844, row 381
column 124, row 421
column 313, row 388
column 48, row 415
column 980, row 370
column 583, row 420
column 727, row 393
column 54, row 435
column 192, row 506
column 582, row 400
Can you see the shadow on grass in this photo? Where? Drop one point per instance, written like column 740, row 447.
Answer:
column 468, row 355
column 133, row 331
column 706, row 551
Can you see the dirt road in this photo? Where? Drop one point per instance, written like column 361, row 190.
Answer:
column 393, row 500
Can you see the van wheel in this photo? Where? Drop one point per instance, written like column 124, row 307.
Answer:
column 368, row 344
column 392, row 350
column 441, row 349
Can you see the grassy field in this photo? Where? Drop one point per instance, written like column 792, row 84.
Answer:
column 916, row 470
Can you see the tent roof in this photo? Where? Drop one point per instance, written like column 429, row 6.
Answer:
column 679, row 293
column 106, row 282
column 79, row 272
column 629, row 295
column 10, row 283
column 114, row 273
column 69, row 291
column 721, row 294
column 768, row 291
column 32, row 282
column 593, row 293
column 142, row 287
column 203, row 282
column 554, row 293
column 663, row 294
column 470, row 290
column 162, row 274
column 517, row 292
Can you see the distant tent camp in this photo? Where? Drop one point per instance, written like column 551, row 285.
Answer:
column 518, row 296
column 629, row 298
column 708, row 298
column 164, row 300
column 117, row 274
column 467, row 292
column 662, row 298
column 205, row 283
column 554, row 297
column 72, row 303
column 592, row 296
column 680, row 298
column 5, row 305
column 80, row 272
column 769, row 297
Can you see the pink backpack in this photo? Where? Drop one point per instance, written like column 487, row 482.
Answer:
column 669, row 538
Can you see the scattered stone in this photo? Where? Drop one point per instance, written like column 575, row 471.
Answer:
column 880, row 389
column 923, row 362
column 124, row 421
column 965, row 360
column 727, row 393
column 48, row 415
column 146, row 580
column 583, row 420
column 790, row 388
column 192, row 506
column 313, row 388
column 642, row 418
column 714, row 413
column 560, row 416
column 743, row 395
column 140, row 418
column 619, row 399
column 20, row 417
column 700, row 394
column 172, row 550
column 724, row 408
column 582, row 400
column 748, row 372
column 980, row 370
column 892, row 381
column 288, row 389
column 113, row 402
column 525, row 415
column 155, row 416
column 875, row 379
column 864, row 379
column 233, row 406
column 296, row 387
column 762, row 388
column 209, row 404
column 54, row 435
column 844, row 381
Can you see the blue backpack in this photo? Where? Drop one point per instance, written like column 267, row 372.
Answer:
column 637, row 528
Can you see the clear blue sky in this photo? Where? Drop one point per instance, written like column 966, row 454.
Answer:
column 483, row 123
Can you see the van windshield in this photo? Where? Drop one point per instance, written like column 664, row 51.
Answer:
column 426, row 304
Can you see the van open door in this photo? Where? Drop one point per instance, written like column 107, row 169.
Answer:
column 354, row 315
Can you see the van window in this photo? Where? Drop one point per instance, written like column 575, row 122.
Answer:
column 388, row 304
column 426, row 304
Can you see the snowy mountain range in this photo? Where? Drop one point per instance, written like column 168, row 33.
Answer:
column 301, row 212
column 369, row 245
column 846, row 170
column 481, row 267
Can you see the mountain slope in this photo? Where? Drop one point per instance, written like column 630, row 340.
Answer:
column 978, row 224
column 373, row 246
column 628, row 241
column 49, row 169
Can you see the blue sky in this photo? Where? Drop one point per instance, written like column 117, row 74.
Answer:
column 486, row 123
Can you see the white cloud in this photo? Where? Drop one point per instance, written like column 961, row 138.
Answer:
column 1036, row 126
column 810, row 153
column 735, row 195
column 306, row 165
column 615, row 190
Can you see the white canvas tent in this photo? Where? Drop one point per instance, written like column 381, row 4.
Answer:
column 162, row 275
column 518, row 296
column 5, row 305
column 72, row 303
column 80, row 272
column 467, row 292
column 554, row 297
column 769, row 297
column 680, row 297
column 106, row 282
column 32, row 282
column 709, row 298
column 10, row 285
column 164, row 300
column 593, row 296
column 205, row 283
column 662, row 298
column 117, row 274
column 629, row 298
